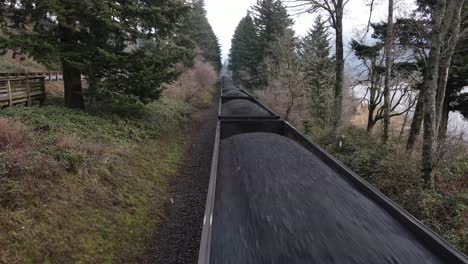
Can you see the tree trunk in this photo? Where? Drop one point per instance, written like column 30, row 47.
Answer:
column 388, row 73
column 72, row 86
column 405, row 121
column 338, row 105
column 370, row 126
column 71, row 74
column 416, row 124
column 430, row 85
column 443, row 125
column 370, row 118
column 446, row 59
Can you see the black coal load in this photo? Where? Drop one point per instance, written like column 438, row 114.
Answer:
column 276, row 202
column 229, row 85
column 242, row 107
column 235, row 93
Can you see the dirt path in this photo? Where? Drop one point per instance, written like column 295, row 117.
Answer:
column 179, row 237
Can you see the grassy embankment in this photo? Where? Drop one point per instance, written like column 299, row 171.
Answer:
column 87, row 186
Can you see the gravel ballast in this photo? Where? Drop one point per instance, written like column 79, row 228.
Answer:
column 276, row 202
column 242, row 107
column 178, row 239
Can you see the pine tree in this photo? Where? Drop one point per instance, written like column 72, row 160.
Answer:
column 92, row 38
column 272, row 22
column 243, row 53
column 319, row 71
column 203, row 35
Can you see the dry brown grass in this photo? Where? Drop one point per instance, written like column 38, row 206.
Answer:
column 12, row 134
column 55, row 88
column 359, row 119
column 11, row 62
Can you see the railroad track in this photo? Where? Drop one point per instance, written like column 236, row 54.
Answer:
column 276, row 197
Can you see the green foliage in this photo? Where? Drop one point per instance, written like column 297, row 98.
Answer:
column 70, row 160
column 99, row 39
column 254, row 41
column 272, row 20
column 8, row 190
column 319, row 72
column 445, row 213
column 141, row 74
column 122, row 106
column 202, row 33
column 363, row 51
column 118, row 121
column 456, row 98
column 361, row 152
column 243, row 55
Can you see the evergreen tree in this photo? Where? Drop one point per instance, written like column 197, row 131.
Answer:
column 242, row 57
column 203, row 35
column 319, row 71
column 92, row 38
column 272, row 21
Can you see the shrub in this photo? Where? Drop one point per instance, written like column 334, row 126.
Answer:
column 12, row 134
column 123, row 106
column 289, row 104
column 190, row 85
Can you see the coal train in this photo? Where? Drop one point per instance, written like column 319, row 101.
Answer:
column 276, row 197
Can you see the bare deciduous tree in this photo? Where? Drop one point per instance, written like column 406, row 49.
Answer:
column 445, row 29
column 286, row 90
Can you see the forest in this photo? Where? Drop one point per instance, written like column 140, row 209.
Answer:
column 380, row 102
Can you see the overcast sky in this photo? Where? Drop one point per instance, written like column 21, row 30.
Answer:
column 224, row 15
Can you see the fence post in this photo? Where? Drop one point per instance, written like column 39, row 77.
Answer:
column 28, row 91
column 44, row 89
column 9, row 93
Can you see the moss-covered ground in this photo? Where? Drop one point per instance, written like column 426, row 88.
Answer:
column 86, row 186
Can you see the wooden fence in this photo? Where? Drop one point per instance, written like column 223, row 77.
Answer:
column 22, row 90
column 48, row 76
